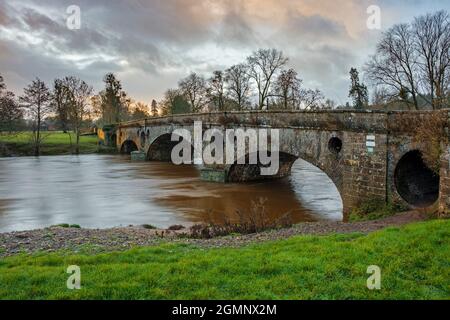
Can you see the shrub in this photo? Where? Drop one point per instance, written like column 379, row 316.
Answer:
column 375, row 209
column 176, row 227
column 148, row 226
column 226, row 120
column 66, row 225
column 256, row 220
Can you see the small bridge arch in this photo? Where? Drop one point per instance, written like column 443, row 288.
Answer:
column 128, row 146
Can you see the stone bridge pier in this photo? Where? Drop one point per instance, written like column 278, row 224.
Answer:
column 368, row 155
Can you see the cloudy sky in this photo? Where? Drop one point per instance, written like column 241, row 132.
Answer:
column 151, row 44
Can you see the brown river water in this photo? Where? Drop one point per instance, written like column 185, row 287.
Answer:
column 101, row 191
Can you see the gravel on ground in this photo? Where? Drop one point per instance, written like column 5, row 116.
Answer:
column 115, row 239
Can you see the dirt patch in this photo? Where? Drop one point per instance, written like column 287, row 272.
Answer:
column 100, row 240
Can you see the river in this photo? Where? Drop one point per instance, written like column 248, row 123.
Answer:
column 101, row 191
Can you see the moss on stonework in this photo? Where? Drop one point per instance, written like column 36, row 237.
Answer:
column 373, row 209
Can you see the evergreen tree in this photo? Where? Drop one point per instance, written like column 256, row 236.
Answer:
column 358, row 91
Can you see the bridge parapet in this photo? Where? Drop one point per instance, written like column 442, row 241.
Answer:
column 331, row 120
column 336, row 120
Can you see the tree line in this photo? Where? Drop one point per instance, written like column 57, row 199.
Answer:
column 69, row 105
column 411, row 64
column 262, row 82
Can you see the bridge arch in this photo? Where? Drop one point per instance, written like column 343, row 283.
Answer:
column 414, row 181
column 160, row 148
column 128, row 146
column 252, row 172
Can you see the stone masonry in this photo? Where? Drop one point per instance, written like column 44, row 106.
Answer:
column 359, row 151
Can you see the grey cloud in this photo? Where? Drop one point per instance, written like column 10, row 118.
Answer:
column 153, row 43
column 235, row 30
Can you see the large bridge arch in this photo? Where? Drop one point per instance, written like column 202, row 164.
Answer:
column 161, row 145
column 328, row 161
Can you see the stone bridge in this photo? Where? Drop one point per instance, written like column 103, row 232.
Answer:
column 368, row 155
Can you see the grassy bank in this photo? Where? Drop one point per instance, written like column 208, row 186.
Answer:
column 414, row 261
column 54, row 143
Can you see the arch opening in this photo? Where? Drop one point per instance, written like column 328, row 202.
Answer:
column 252, row 172
column 417, row 184
column 161, row 149
column 128, row 146
column 335, row 145
column 316, row 190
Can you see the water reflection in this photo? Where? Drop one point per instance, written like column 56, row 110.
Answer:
column 100, row 191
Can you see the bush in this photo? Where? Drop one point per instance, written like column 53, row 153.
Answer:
column 176, row 227
column 255, row 221
column 375, row 209
column 66, row 225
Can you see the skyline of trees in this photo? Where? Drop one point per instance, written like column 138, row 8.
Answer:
column 411, row 63
column 260, row 83
column 410, row 69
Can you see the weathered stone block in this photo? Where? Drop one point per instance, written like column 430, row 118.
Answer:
column 213, row 175
column 138, row 156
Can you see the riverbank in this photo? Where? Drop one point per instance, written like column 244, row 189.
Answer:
column 54, row 143
column 102, row 240
column 413, row 260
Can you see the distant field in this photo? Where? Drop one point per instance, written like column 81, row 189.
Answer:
column 54, row 143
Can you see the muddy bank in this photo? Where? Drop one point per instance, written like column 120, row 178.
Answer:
column 100, row 240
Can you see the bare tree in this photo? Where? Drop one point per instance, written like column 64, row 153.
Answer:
column 238, row 84
column 154, row 109
column 412, row 61
column 311, row 99
column 286, row 88
column 140, row 111
column 216, row 90
column 60, row 103
column 193, row 88
column 36, row 100
column 432, row 37
column 10, row 112
column 80, row 93
column 263, row 66
column 167, row 103
column 2, row 84
column 394, row 64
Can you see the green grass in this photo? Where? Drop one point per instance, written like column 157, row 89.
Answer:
column 66, row 225
column 54, row 143
column 414, row 263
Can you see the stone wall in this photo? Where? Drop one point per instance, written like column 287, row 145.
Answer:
column 444, row 186
column 364, row 172
column 360, row 170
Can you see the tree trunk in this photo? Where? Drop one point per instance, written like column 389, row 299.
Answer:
column 37, row 142
column 77, row 147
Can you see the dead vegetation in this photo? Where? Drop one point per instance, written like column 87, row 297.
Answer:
column 254, row 221
column 430, row 132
